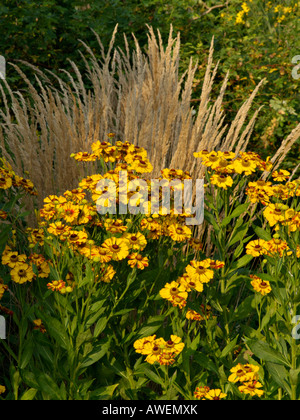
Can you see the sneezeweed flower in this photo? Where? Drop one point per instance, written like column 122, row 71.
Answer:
column 106, row 274
column 261, row 286
column 77, row 237
column 257, row 247
column 43, row 269
column 117, row 248
column 22, row 273
column 38, row 325
column 137, row 260
column 252, row 388
column 221, row 180
column 56, row 285
column 159, row 350
column 136, row 241
column 84, row 156
column 278, row 246
column 275, row 213
column 3, row 215
column 60, row 229
column 243, row 373
column 3, row 288
column 244, row 165
column 175, row 293
column 12, row 259
column 70, row 212
column 200, row 271
column 196, row 244
column 281, row 175
column 190, row 284
column 201, row 391
column 215, row 394
column 35, row 236
column 204, row 313
column 179, row 233
column 5, row 181
column 114, row 225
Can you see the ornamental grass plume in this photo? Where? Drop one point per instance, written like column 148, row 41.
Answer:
column 134, row 95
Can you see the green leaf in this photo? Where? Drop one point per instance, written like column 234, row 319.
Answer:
column 153, row 324
column 230, row 346
column 205, row 362
column 236, row 213
column 100, row 326
column 26, row 354
column 262, row 350
column 104, row 393
column 150, row 374
column 29, row 394
column 96, row 354
column 261, row 233
column 279, row 375
column 58, row 332
column 46, row 384
column 242, row 262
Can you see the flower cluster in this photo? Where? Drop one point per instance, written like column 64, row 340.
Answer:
column 159, row 350
column 247, row 374
column 225, row 164
column 205, row 393
column 196, row 274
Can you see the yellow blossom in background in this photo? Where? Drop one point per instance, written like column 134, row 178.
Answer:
column 252, row 388
column 174, row 293
column 243, row 373
column 200, row 271
column 116, row 248
column 261, row 286
column 201, row 391
column 137, row 260
column 22, row 273
column 56, row 285
column 215, row 394
column 257, row 247
column 221, row 180
column 12, row 259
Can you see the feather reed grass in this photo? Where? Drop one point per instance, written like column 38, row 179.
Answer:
column 138, row 96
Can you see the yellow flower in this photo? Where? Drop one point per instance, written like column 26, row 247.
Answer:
column 274, row 213
column 179, row 233
column 215, row 394
column 114, row 226
column 12, row 259
column 281, row 175
column 252, row 388
column 117, row 248
column 22, row 273
column 221, row 180
column 174, row 293
column 261, row 286
column 136, row 241
column 2, row 389
column 56, row 285
column 200, row 271
column 200, row 392
column 243, row 373
column 257, row 247
column 59, row 229
column 244, row 165
column 138, row 260
column 5, row 181
column 3, row 287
